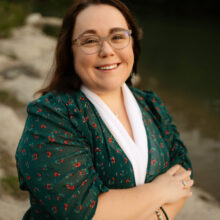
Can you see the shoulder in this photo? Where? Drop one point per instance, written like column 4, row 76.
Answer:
column 147, row 96
column 151, row 102
column 53, row 102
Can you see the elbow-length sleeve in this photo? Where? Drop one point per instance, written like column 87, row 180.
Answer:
column 177, row 150
column 55, row 164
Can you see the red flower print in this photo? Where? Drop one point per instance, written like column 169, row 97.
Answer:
column 39, row 110
column 110, row 140
column 49, row 154
column 167, row 132
column 70, row 187
column 48, row 186
column 51, row 139
column 153, row 162
column 82, row 98
column 54, row 209
column 161, row 145
column 127, row 180
column 154, row 100
column 65, row 206
column 35, row 135
column 97, row 149
column 28, row 177
column 56, row 174
column 141, row 98
column 66, row 142
column 113, row 160
column 41, row 202
column 43, row 126
column 92, row 205
column 126, row 160
column 69, row 101
column 94, row 125
column 78, row 164
column 35, row 156
column 84, row 182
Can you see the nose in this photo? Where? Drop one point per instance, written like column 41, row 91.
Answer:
column 106, row 49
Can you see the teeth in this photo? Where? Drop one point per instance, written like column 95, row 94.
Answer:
column 108, row 67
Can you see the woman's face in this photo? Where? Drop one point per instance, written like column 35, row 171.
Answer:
column 92, row 68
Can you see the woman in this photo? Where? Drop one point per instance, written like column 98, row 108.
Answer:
column 92, row 147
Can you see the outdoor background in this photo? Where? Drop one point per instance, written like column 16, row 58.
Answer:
column 180, row 61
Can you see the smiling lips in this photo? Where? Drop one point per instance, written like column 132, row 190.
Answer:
column 108, row 67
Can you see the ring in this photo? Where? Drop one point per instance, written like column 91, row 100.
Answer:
column 184, row 183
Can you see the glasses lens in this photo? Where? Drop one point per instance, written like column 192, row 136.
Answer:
column 89, row 44
column 119, row 39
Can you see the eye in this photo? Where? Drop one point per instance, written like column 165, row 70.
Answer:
column 118, row 37
column 89, row 41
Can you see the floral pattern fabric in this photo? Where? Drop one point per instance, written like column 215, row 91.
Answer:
column 67, row 156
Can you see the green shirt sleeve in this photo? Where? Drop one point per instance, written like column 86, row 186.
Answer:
column 55, row 164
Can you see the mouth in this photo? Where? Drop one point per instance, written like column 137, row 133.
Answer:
column 108, row 67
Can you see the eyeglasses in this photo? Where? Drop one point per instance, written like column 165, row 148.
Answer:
column 91, row 43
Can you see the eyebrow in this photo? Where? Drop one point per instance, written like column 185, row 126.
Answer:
column 91, row 31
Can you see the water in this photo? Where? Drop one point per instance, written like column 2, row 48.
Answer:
column 180, row 62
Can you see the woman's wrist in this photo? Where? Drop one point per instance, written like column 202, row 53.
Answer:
column 159, row 214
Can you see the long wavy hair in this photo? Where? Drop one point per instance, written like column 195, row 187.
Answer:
column 64, row 77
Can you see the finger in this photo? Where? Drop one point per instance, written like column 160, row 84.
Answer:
column 187, row 184
column 188, row 194
column 183, row 175
column 173, row 169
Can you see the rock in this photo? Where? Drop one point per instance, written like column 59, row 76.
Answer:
column 12, row 209
column 6, row 62
column 31, row 47
column 15, row 71
column 34, row 19
column 10, row 129
column 23, row 87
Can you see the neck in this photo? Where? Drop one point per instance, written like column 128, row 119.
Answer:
column 113, row 99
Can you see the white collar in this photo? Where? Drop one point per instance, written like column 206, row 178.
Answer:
column 137, row 152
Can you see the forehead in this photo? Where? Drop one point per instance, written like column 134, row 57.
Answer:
column 100, row 18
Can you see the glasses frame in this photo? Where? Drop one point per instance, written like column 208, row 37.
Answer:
column 102, row 39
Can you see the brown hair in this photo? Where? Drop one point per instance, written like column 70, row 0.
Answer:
column 64, row 77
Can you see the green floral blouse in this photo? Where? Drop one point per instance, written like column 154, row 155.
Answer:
column 67, row 156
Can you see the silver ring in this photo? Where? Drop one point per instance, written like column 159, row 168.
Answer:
column 184, row 183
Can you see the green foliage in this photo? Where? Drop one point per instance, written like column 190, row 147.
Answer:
column 12, row 14
column 11, row 186
column 8, row 99
column 51, row 30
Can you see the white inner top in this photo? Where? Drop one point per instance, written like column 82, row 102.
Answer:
column 137, row 152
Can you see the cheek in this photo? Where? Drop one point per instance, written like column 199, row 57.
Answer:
column 82, row 63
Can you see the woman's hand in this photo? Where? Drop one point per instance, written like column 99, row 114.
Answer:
column 171, row 184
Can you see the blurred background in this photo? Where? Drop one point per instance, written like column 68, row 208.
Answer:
column 180, row 61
